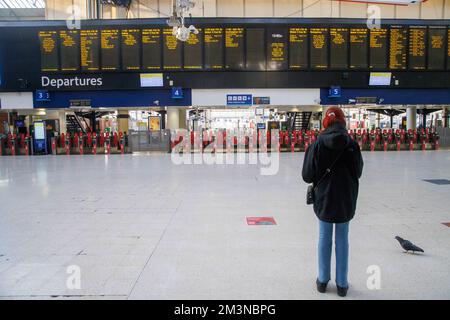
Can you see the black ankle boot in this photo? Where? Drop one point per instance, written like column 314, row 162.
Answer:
column 321, row 287
column 342, row 292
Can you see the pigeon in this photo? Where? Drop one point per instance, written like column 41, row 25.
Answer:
column 408, row 245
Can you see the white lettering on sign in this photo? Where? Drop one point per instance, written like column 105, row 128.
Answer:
column 71, row 82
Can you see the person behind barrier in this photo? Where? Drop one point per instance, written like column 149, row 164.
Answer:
column 333, row 164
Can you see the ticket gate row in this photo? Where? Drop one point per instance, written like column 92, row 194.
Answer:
column 16, row 144
column 90, row 143
column 300, row 140
column 385, row 140
column 251, row 141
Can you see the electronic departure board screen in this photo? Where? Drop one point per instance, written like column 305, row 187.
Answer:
column 171, row 51
column 338, row 48
column 298, row 48
column 277, row 58
column 69, row 48
column 448, row 49
column 89, row 47
column 234, row 48
column 193, row 51
column 255, row 49
column 109, row 49
column 49, row 50
column 131, row 40
column 358, row 48
column 213, row 48
column 378, row 49
column 417, row 48
column 436, row 48
column 319, row 48
column 398, row 48
column 151, row 49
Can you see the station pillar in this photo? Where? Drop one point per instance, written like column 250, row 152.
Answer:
column 445, row 117
column 173, row 118
column 411, row 117
column 62, row 122
column 122, row 121
column 182, row 117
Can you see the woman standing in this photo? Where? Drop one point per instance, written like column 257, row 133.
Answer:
column 333, row 164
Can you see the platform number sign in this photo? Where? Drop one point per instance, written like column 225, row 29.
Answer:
column 177, row 93
column 334, row 92
column 239, row 100
column 42, row 95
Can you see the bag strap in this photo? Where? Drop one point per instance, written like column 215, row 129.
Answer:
column 330, row 167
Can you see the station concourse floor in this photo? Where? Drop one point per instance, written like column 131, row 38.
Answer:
column 141, row 227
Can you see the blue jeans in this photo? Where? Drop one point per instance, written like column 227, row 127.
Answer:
column 341, row 247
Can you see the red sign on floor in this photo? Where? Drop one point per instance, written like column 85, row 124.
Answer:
column 258, row 221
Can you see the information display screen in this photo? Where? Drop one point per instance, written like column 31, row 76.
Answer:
column 234, row 48
column 151, row 49
column 255, row 50
column 109, row 49
column 69, row 47
column 358, row 48
column 319, row 48
column 298, row 48
column 49, row 50
column 213, row 48
column 338, row 48
column 398, row 48
column 417, row 48
column 436, row 48
column 171, row 51
column 193, row 51
column 378, row 49
column 90, row 48
column 448, row 49
column 131, row 40
column 277, row 58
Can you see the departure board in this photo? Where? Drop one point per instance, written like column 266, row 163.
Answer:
column 49, row 50
column 378, row 49
column 193, row 51
column 255, row 50
column 213, row 48
column 319, row 48
column 417, row 48
column 298, row 48
column 358, row 48
column 151, row 49
column 436, row 48
column 277, row 58
column 338, row 48
column 131, row 39
column 234, row 48
column 398, row 48
column 69, row 48
column 89, row 47
column 109, row 49
column 171, row 51
column 448, row 49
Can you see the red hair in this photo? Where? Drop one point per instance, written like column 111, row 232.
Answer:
column 333, row 115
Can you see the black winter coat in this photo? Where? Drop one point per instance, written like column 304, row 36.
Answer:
column 336, row 195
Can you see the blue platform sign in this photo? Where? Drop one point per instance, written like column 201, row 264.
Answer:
column 239, row 100
column 334, row 92
column 42, row 95
column 177, row 93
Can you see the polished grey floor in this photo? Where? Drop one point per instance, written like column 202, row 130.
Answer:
column 140, row 227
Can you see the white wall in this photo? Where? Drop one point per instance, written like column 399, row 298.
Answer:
column 278, row 97
column 431, row 9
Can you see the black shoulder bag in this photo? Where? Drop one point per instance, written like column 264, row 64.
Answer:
column 311, row 192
